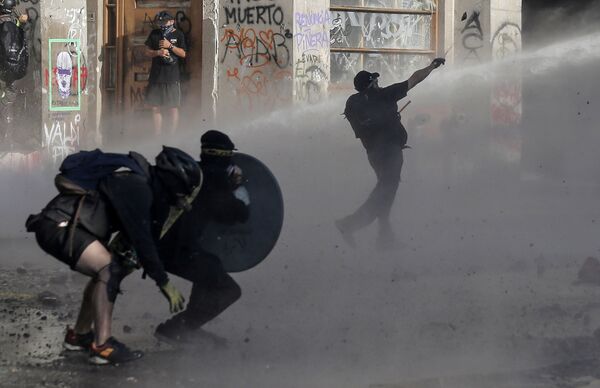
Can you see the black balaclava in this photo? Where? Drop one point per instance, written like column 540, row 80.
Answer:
column 216, row 149
column 216, row 157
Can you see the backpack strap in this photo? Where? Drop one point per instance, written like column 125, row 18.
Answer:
column 123, row 247
column 68, row 187
column 74, row 223
column 176, row 211
column 141, row 161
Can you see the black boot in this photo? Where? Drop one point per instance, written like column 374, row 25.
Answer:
column 205, row 304
column 174, row 329
column 180, row 331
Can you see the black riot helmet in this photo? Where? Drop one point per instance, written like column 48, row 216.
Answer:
column 178, row 171
column 6, row 6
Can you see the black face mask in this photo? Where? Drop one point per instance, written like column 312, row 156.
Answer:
column 216, row 162
column 215, row 170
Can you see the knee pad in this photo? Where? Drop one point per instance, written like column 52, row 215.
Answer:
column 113, row 274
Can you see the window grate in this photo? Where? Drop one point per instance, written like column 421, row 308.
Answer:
column 391, row 37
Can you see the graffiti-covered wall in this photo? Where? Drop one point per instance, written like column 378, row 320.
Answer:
column 254, row 55
column 259, row 55
column 66, row 91
column 490, row 32
column 506, row 95
column 472, row 32
column 93, row 64
column 375, row 27
column 32, row 83
column 312, row 22
column 471, row 47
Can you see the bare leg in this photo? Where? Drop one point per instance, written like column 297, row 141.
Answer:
column 157, row 118
column 86, row 313
column 94, row 261
column 104, row 310
column 174, row 119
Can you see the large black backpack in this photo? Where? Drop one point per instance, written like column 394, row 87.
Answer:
column 359, row 112
column 81, row 172
column 79, row 202
column 14, row 56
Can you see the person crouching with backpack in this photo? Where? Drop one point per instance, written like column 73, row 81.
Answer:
column 95, row 201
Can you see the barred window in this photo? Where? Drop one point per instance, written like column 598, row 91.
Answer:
column 391, row 37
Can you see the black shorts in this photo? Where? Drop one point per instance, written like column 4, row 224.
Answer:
column 54, row 240
column 164, row 95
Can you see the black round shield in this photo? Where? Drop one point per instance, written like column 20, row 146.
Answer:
column 243, row 246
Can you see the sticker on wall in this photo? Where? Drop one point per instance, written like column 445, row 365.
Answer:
column 64, row 58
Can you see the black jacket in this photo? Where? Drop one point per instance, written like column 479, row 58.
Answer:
column 374, row 116
column 215, row 202
column 134, row 204
column 139, row 208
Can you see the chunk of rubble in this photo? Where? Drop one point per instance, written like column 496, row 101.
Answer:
column 147, row 315
column 49, row 299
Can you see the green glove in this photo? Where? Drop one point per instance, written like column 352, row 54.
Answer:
column 176, row 300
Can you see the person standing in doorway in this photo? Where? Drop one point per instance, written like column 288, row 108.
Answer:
column 166, row 46
column 374, row 117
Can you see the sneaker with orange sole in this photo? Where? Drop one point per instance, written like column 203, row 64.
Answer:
column 77, row 342
column 112, row 352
